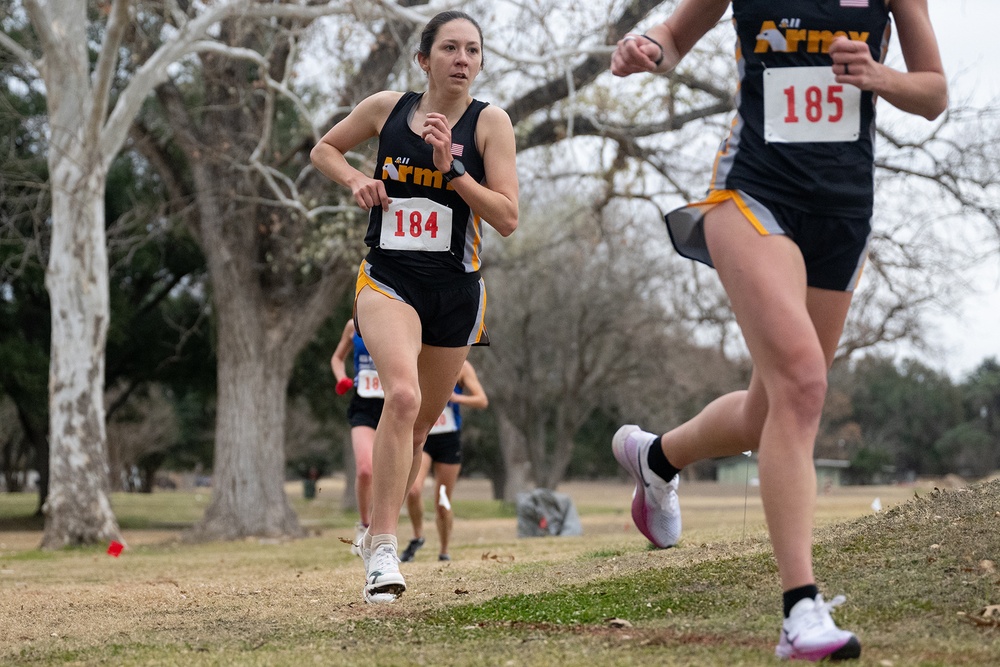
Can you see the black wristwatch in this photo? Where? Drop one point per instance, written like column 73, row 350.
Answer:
column 457, row 169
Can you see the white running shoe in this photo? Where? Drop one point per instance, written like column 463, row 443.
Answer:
column 809, row 633
column 655, row 508
column 359, row 537
column 383, row 581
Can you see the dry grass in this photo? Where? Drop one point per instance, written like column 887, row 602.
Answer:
column 167, row 602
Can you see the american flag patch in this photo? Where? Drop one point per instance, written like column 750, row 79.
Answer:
column 854, row 3
column 456, row 149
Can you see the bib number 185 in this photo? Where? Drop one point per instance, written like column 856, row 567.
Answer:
column 806, row 104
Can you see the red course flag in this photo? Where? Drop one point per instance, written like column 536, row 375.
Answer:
column 115, row 548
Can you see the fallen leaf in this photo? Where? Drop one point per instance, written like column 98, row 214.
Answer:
column 498, row 557
column 987, row 617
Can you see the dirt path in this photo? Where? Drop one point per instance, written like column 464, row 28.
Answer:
column 165, row 590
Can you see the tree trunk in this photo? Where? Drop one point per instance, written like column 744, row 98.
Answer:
column 258, row 340
column 517, row 464
column 248, row 491
column 77, row 509
column 562, row 453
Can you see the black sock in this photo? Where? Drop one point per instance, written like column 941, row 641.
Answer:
column 658, row 462
column 791, row 597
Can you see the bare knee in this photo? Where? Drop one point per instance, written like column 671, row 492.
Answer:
column 363, row 473
column 414, row 495
column 419, row 438
column 801, row 390
column 402, row 403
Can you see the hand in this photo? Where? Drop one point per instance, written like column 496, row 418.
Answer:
column 633, row 54
column 437, row 133
column 369, row 193
column 344, row 385
column 853, row 63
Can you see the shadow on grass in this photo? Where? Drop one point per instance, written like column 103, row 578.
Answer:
column 22, row 523
column 36, row 522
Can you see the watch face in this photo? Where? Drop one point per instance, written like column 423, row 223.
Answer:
column 457, row 169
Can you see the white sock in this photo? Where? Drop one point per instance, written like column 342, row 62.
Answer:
column 375, row 541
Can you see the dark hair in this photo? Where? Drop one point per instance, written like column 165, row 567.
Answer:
column 430, row 31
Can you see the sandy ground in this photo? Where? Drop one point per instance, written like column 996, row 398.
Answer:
column 164, row 590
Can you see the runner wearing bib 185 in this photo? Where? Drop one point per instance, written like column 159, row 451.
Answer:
column 786, row 225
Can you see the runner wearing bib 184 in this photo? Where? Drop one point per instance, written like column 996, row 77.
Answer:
column 445, row 165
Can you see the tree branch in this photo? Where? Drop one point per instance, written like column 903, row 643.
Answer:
column 190, row 39
column 18, row 51
column 104, row 71
column 592, row 66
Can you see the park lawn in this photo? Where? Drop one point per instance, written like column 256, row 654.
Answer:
column 916, row 576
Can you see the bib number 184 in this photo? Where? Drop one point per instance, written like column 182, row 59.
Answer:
column 416, row 223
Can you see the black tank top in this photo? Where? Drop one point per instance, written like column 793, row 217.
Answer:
column 406, row 166
column 798, row 137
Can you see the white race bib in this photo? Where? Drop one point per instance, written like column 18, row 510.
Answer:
column 368, row 384
column 445, row 423
column 806, row 104
column 416, row 223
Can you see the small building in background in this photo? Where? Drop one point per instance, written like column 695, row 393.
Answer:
column 743, row 469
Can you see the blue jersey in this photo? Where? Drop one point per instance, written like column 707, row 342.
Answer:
column 362, row 360
column 366, row 379
column 454, row 408
column 799, row 138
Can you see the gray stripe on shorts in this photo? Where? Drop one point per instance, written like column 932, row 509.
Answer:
column 381, row 285
column 763, row 215
column 480, row 313
column 856, row 276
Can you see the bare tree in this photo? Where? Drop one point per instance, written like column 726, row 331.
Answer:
column 579, row 314
column 89, row 113
column 143, row 429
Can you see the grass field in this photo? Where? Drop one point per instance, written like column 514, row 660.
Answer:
column 916, row 575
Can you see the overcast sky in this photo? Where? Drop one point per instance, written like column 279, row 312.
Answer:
column 967, row 34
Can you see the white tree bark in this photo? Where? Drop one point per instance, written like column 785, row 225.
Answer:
column 77, row 510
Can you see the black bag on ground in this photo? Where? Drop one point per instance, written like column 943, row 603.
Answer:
column 544, row 512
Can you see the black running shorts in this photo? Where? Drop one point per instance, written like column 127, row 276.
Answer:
column 444, row 447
